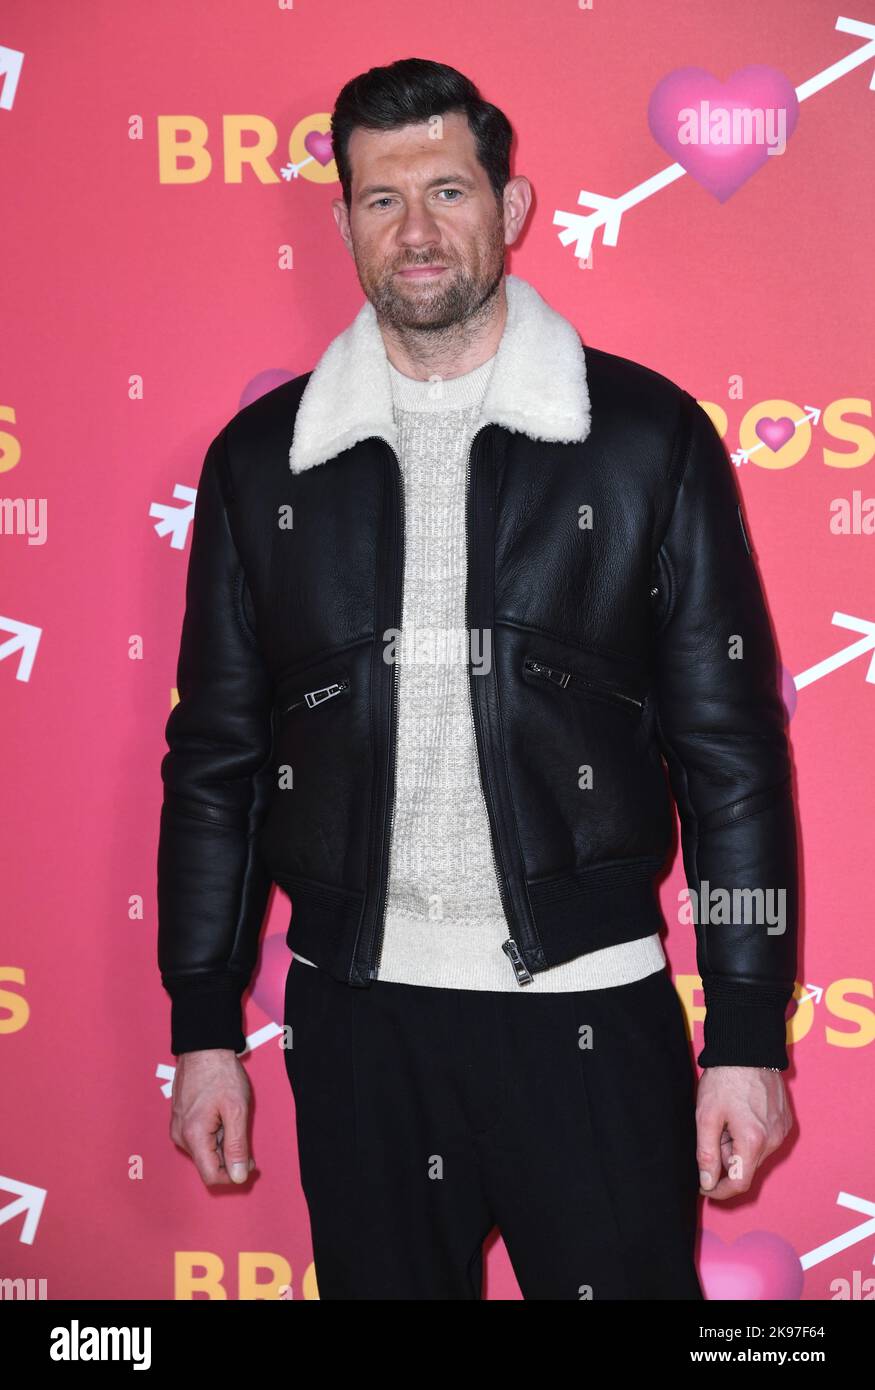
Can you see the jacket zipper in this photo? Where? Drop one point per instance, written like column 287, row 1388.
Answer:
column 562, row 678
column 388, row 825
column 311, row 698
column 510, row 947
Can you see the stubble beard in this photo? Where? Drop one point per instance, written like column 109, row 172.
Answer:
column 444, row 305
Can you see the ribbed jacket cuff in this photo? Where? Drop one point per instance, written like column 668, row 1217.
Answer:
column 206, row 1013
column 745, row 1025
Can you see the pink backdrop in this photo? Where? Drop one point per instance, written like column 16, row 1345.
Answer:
column 145, row 298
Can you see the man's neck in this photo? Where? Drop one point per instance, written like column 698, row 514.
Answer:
column 454, row 351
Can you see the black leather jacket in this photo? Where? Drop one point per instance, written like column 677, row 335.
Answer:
column 614, row 680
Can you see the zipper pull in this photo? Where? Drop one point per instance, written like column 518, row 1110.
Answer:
column 512, row 951
column 552, row 673
column 315, row 697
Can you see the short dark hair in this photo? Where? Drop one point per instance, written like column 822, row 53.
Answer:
column 409, row 92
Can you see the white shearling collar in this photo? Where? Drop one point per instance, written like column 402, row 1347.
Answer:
column 537, row 387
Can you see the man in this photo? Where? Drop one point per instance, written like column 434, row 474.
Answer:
column 483, row 1028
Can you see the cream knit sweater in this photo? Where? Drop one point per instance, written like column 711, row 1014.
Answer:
column 444, row 922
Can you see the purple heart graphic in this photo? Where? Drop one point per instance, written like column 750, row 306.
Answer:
column 775, row 432
column 721, row 132
column 264, row 381
column 318, row 145
column 759, row 1266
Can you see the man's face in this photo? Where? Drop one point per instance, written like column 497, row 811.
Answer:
column 424, row 228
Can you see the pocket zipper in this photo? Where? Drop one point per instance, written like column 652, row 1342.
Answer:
column 317, row 697
column 563, row 678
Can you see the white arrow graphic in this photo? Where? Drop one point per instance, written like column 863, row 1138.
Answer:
column 165, row 1072
column 844, row 65
column 10, row 71
column 262, row 1036
column 815, row 992
column 175, row 521
column 812, row 417
column 25, row 640
column 30, row 1200
column 851, row 1237
column 841, row 658
column 290, row 171
column 608, row 211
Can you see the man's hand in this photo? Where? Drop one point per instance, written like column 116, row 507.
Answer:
column 210, row 1102
column 742, row 1115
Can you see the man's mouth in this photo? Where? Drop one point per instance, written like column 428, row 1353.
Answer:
column 421, row 272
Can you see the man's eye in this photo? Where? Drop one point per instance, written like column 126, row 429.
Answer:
column 387, row 199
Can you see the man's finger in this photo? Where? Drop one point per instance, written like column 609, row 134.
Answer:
column 709, row 1130
column 234, row 1142
column 200, row 1140
column 741, row 1162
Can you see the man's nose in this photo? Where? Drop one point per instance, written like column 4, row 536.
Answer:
column 418, row 227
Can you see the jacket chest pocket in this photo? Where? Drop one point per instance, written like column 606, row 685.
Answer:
column 561, row 678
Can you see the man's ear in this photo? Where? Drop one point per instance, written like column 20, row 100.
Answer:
column 518, row 195
column 341, row 218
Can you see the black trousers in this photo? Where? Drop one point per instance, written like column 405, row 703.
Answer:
column 426, row 1117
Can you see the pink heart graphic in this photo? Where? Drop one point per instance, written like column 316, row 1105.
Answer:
column 756, row 107
column 789, row 693
column 775, row 432
column 759, row 1265
column 318, row 145
column 268, row 989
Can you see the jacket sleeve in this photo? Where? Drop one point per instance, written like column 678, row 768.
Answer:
column 721, row 722
column 212, row 886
